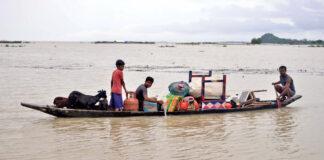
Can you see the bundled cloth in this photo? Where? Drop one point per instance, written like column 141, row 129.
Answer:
column 172, row 102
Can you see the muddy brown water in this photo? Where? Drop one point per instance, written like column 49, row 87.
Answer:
column 38, row 72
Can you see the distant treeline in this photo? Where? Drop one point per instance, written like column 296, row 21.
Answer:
column 10, row 41
column 124, row 42
column 190, row 43
column 270, row 38
column 3, row 41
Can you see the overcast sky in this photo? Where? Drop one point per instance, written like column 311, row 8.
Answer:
column 159, row 20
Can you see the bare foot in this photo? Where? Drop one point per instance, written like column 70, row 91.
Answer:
column 287, row 100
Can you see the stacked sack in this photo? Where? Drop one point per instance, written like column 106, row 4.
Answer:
column 178, row 100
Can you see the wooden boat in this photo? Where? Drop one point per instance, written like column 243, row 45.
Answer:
column 64, row 112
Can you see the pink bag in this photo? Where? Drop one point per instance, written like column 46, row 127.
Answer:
column 189, row 99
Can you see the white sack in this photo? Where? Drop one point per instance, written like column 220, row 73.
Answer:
column 213, row 90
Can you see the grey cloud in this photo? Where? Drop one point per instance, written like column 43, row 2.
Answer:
column 51, row 20
column 236, row 19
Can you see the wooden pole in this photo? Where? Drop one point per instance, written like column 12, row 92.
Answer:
column 277, row 97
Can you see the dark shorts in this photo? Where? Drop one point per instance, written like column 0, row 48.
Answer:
column 292, row 94
column 116, row 100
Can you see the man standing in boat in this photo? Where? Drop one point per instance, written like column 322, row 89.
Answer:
column 141, row 93
column 287, row 88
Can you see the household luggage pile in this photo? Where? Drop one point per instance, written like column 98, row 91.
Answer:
column 191, row 97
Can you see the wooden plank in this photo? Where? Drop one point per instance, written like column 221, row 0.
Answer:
column 263, row 90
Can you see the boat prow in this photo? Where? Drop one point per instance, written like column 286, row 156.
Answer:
column 293, row 99
column 65, row 112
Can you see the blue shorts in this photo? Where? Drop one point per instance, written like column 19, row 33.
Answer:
column 116, row 100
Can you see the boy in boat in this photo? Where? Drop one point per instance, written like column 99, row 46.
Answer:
column 141, row 94
column 287, row 88
column 117, row 82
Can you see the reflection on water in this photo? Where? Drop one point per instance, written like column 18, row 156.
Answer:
column 285, row 131
column 39, row 72
column 221, row 136
column 182, row 137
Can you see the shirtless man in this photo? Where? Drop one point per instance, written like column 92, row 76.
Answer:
column 287, row 88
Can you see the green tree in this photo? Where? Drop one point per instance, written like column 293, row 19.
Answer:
column 319, row 41
column 256, row 41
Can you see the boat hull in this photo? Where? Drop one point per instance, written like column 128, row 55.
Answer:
column 64, row 112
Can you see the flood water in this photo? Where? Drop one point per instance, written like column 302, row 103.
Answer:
column 38, row 72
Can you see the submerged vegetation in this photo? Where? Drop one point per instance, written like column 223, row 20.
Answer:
column 7, row 45
column 162, row 46
column 318, row 45
column 12, row 45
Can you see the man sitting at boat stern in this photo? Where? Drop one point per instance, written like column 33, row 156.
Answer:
column 141, row 94
column 287, row 88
